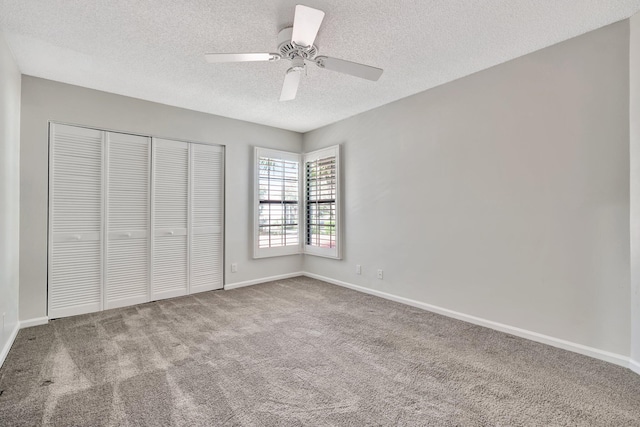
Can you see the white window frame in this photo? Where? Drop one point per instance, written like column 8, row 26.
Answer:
column 302, row 247
column 336, row 251
column 282, row 250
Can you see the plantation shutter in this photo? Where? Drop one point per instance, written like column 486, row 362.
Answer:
column 206, row 218
column 322, row 202
column 276, row 214
column 128, row 220
column 75, row 221
column 170, row 218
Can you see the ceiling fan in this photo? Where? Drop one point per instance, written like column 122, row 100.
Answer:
column 296, row 44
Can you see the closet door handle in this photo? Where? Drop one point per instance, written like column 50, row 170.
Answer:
column 78, row 237
column 171, row 233
column 126, row 235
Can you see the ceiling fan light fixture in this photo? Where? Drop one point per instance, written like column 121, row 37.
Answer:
column 297, row 64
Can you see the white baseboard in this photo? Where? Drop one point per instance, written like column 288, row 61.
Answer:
column 8, row 344
column 34, row 322
column 236, row 285
column 607, row 356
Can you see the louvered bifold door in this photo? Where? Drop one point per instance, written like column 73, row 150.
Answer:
column 207, row 192
column 75, row 220
column 128, row 220
column 170, row 207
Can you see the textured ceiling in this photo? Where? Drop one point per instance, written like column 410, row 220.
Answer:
column 154, row 49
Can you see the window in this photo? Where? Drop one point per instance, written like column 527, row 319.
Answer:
column 321, row 202
column 277, row 216
column 289, row 189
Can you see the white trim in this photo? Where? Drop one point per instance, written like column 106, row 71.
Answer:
column 607, row 356
column 9, row 343
column 236, row 285
column 634, row 366
column 36, row 321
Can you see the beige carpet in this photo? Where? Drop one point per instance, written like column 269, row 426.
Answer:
column 299, row 352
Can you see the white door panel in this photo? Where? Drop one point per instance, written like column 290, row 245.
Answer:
column 128, row 220
column 170, row 274
column 75, row 221
column 207, row 195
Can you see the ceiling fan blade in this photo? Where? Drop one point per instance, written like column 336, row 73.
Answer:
column 240, row 57
column 290, row 85
column 348, row 67
column 306, row 24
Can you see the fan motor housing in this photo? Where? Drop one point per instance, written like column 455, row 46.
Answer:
column 290, row 50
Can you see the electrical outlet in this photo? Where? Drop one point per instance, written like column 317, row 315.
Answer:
column 358, row 269
column 380, row 274
column 234, row 267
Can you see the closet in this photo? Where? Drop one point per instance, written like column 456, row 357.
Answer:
column 132, row 219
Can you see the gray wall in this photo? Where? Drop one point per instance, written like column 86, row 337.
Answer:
column 634, row 115
column 503, row 195
column 9, row 192
column 44, row 100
